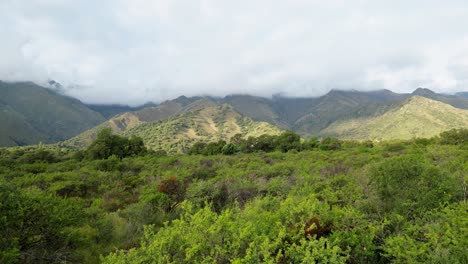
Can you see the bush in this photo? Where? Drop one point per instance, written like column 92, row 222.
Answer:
column 330, row 144
column 454, row 137
column 229, row 149
column 107, row 144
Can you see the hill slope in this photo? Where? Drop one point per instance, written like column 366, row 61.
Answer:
column 30, row 114
column 457, row 100
column 344, row 105
column 416, row 117
column 212, row 123
column 173, row 126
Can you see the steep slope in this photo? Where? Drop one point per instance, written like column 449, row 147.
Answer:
column 416, row 117
column 30, row 114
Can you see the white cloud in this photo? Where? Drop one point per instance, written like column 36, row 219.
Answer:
column 132, row 51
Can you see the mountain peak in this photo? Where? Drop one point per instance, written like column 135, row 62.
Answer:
column 423, row 92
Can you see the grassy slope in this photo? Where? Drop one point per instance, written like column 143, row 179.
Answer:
column 417, row 117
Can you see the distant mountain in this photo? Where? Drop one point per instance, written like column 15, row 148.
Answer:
column 462, row 94
column 310, row 116
column 112, row 110
column 344, row 114
column 257, row 108
column 175, row 125
column 208, row 124
column 415, row 117
column 342, row 105
column 453, row 100
column 30, row 114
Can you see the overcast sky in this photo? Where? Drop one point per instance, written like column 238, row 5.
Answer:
column 133, row 51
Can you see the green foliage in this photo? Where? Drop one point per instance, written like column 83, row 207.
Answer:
column 366, row 203
column 197, row 148
column 288, row 140
column 330, row 144
column 229, row 149
column 107, row 144
column 311, row 143
column 439, row 237
column 37, row 228
column 214, row 148
column 454, row 137
column 397, row 179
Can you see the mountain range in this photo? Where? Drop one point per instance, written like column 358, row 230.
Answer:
column 31, row 114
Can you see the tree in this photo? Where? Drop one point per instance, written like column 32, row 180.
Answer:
column 330, row 144
column 230, row 149
column 454, row 137
column 214, row 148
column 107, row 144
column 197, row 148
column 311, row 143
column 264, row 143
column 288, row 140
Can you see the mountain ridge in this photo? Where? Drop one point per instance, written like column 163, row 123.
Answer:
column 308, row 116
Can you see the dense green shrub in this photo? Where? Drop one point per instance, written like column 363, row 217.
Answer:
column 392, row 202
column 107, row 144
column 454, row 137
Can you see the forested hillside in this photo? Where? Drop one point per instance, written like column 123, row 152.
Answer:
column 268, row 199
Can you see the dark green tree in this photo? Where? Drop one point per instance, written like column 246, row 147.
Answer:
column 197, row 148
column 288, row 140
column 230, row 149
column 108, row 144
column 330, row 144
column 214, row 148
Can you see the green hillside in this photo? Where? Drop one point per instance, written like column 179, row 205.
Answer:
column 257, row 108
column 457, row 100
column 416, row 117
column 30, row 114
column 174, row 127
column 308, row 116
column 209, row 124
column 128, row 120
column 344, row 105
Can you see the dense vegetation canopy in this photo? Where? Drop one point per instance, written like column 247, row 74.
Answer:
column 267, row 199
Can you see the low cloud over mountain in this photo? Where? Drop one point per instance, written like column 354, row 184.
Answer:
column 137, row 51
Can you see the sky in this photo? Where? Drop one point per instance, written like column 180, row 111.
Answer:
column 135, row 51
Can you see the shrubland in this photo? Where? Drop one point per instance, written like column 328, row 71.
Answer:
column 267, row 199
